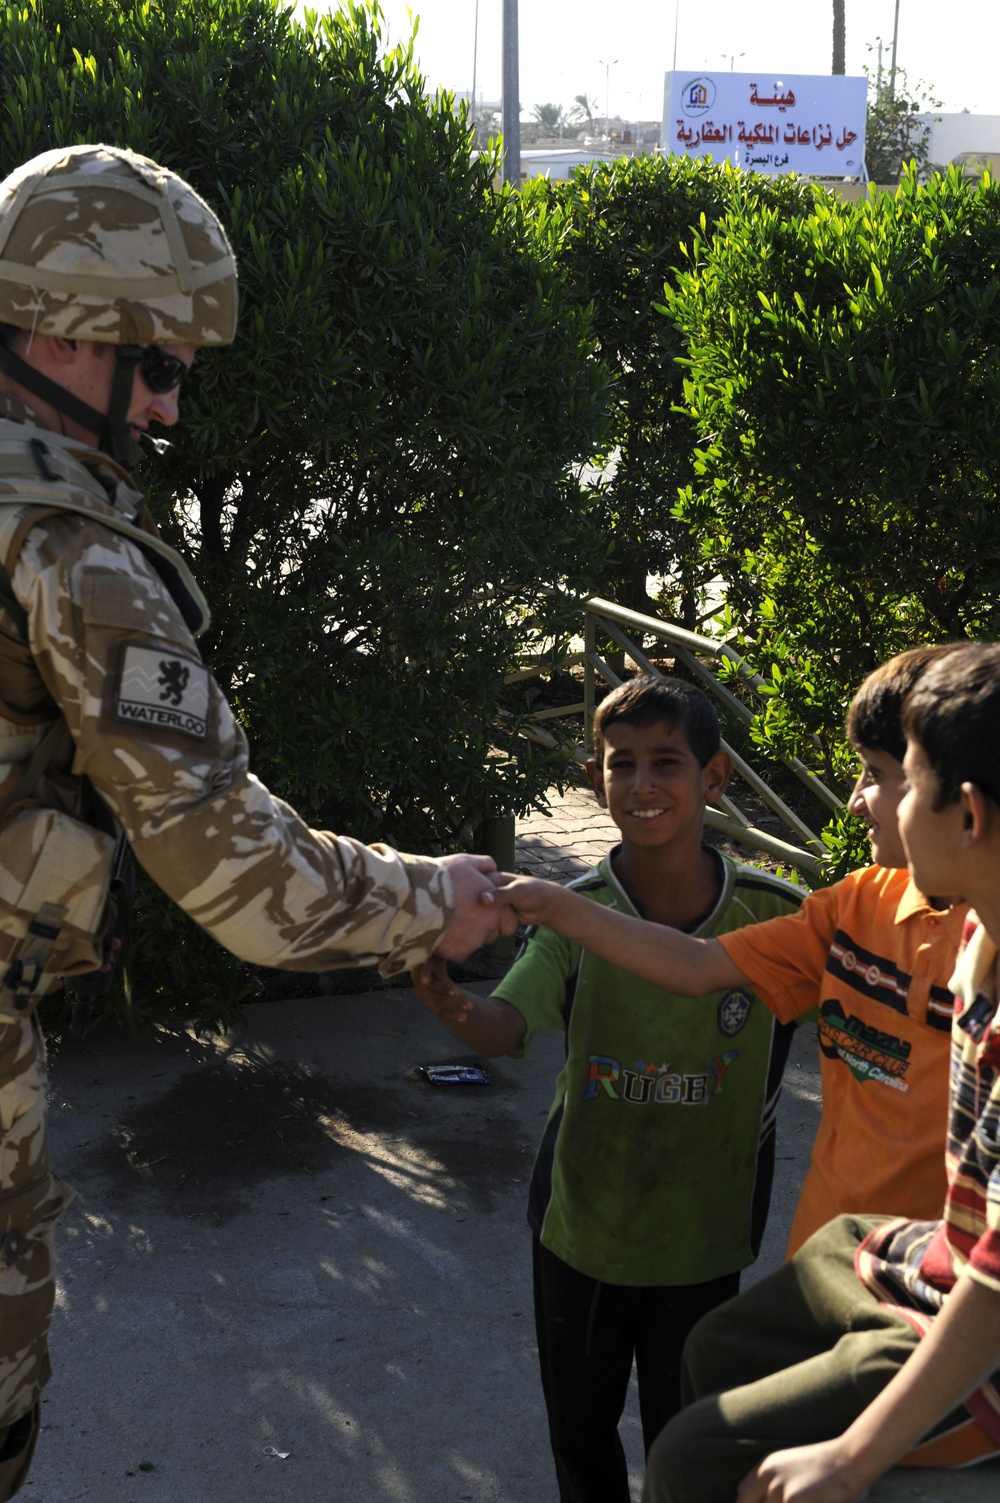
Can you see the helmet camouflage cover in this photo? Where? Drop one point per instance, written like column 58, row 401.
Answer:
column 99, row 243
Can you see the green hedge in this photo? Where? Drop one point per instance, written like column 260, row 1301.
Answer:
column 804, row 421
column 626, row 228
column 844, row 380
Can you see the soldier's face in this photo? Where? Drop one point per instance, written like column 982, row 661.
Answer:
column 149, row 406
column 93, row 372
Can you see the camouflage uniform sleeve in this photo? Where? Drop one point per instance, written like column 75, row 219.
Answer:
column 158, row 740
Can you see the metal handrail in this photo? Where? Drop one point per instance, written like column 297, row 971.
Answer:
column 689, row 648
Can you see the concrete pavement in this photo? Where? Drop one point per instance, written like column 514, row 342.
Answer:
column 288, row 1239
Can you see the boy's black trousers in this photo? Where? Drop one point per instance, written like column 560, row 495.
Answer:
column 588, row 1335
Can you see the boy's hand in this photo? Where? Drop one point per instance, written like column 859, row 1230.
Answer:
column 807, row 1474
column 533, row 900
column 438, row 992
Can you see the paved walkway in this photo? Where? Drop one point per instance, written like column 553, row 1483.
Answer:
column 566, row 842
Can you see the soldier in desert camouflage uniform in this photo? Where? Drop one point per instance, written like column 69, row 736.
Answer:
column 112, row 273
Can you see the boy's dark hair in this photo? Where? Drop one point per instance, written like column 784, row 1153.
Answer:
column 953, row 715
column 643, row 701
column 875, row 714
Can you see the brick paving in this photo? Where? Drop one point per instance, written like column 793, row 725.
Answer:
column 567, row 841
column 576, row 832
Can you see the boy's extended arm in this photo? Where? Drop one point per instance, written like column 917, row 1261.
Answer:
column 488, row 1025
column 666, row 957
column 959, row 1352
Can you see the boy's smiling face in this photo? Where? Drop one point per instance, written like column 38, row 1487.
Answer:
column 875, row 798
column 651, row 783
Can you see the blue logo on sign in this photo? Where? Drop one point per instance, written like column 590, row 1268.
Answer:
column 698, row 96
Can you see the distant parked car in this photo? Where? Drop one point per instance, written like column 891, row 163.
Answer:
column 974, row 163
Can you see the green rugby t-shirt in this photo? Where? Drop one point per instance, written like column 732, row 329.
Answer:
column 656, row 1162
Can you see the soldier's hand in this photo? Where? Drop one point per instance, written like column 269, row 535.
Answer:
column 438, row 992
column 475, row 922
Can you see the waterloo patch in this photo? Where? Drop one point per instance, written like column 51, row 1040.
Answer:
column 733, row 1011
column 163, row 691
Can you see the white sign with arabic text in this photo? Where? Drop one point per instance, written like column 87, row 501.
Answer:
column 811, row 124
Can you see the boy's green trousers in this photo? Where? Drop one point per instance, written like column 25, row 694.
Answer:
column 794, row 1359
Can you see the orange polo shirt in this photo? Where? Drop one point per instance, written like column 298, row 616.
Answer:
column 875, row 958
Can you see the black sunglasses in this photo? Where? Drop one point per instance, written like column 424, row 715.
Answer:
column 160, row 371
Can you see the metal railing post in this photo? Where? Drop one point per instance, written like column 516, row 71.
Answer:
column 589, row 652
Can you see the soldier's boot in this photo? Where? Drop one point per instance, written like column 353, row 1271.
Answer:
column 17, row 1447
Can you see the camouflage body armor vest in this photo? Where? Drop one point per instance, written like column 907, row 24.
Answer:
column 57, row 839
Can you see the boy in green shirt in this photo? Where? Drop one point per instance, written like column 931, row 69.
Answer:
column 653, row 1177
column 872, row 952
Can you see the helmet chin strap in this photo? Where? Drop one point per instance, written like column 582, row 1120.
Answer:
column 115, row 437
column 112, row 427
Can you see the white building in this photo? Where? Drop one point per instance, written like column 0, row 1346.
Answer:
column 951, row 134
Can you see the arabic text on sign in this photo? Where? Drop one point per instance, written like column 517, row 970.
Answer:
column 779, row 101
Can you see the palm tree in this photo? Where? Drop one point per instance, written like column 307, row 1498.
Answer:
column 839, row 37
column 549, row 115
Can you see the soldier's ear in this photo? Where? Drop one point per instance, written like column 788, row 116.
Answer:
column 55, row 352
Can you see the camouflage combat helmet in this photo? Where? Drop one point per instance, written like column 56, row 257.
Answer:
column 98, row 243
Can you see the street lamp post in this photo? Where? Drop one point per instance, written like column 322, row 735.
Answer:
column 511, row 97
column 895, row 38
column 475, row 61
column 607, row 95
column 876, row 47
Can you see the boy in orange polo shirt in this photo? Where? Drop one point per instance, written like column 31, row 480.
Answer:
column 877, row 955
column 871, row 952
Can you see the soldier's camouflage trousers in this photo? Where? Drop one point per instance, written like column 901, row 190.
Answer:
column 31, row 1200
column 17, row 1446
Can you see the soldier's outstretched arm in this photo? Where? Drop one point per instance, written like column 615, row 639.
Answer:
column 157, row 738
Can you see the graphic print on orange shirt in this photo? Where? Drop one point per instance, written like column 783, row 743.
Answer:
column 870, row 1053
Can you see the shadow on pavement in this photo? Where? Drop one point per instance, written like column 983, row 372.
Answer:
column 289, row 1239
